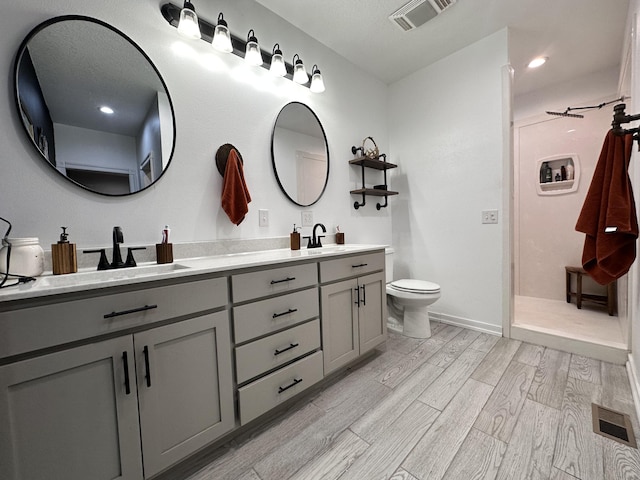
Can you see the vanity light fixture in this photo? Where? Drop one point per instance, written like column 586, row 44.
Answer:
column 252, row 53
column 188, row 24
column 224, row 40
column 317, row 84
column 278, row 67
column 299, row 73
column 221, row 36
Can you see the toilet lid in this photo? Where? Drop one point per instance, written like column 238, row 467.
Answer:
column 415, row 286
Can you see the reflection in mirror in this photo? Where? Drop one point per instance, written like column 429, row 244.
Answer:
column 300, row 154
column 94, row 105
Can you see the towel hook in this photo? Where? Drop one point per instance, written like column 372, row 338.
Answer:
column 222, row 154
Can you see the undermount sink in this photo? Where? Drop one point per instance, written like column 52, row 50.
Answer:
column 97, row 276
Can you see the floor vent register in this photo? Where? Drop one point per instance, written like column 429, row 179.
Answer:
column 613, row 425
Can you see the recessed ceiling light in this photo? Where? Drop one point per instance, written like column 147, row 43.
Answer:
column 106, row 110
column 537, row 62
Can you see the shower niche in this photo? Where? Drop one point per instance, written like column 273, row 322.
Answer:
column 558, row 174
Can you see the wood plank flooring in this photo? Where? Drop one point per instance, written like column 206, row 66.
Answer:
column 458, row 406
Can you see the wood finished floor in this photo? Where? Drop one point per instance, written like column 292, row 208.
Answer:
column 459, row 406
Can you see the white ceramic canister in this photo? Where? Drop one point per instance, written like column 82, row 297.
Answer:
column 26, row 259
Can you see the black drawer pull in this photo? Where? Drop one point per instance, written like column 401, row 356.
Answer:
column 133, row 310
column 295, row 382
column 288, row 279
column 291, row 310
column 291, row 345
column 360, row 265
column 125, row 361
column 147, row 375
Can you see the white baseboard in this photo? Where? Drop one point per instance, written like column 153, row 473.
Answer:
column 467, row 323
column 633, row 381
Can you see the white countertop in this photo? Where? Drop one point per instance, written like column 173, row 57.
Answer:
column 90, row 279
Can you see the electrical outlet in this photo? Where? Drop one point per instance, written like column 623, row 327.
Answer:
column 263, row 218
column 307, row 218
column 490, row 216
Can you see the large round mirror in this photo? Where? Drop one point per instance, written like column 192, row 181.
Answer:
column 300, row 154
column 94, row 105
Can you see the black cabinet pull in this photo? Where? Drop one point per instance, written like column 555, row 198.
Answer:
column 357, row 290
column 291, row 345
column 147, row 375
column 288, row 279
column 360, row 265
column 295, row 382
column 291, row 310
column 127, row 385
column 364, row 295
column 133, row 310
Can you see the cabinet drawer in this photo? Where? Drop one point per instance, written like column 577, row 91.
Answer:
column 33, row 328
column 266, row 393
column 351, row 266
column 266, row 316
column 270, row 352
column 247, row 286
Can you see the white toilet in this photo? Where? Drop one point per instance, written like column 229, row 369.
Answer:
column 408, row 301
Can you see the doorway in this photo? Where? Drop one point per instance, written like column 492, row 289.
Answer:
column 545, row 211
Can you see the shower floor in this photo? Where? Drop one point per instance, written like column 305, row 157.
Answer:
column 557, row 317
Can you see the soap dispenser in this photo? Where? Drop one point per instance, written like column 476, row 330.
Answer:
column 63, row 255
column 295, row 238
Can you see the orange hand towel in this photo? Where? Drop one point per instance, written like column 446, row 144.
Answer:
column 608, row 216
column 235, row 194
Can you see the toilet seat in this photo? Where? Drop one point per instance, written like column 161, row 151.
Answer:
column 410, row 285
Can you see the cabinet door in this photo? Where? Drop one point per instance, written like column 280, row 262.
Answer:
column 69, row 415
column 340, row 342
column 372, row 318
column 185, row 388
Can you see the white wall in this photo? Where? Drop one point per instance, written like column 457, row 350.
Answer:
column 446, row 132
column 217, row 100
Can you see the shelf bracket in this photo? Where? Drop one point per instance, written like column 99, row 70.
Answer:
column 386, row 204
column 357, row 205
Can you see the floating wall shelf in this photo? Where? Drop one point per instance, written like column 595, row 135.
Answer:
column 558, row 187
column 376, row 164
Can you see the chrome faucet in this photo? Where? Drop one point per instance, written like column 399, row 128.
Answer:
column 315, row 241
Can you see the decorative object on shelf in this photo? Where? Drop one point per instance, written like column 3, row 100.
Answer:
column 367, row 160
column 223, row 40
column 373, row 152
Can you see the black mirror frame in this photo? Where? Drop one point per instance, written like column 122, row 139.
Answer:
column 16, row 67
column 273, row 156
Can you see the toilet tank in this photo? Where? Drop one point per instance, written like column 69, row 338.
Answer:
column 388, row 263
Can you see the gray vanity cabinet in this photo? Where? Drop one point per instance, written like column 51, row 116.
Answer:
column 185, row 388
column 354, row 311
column 69, row 415
column 117, row 408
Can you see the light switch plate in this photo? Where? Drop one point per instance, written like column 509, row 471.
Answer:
column 263, row 218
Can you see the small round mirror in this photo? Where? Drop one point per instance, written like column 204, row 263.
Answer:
column 300, row 154
column 94, row 105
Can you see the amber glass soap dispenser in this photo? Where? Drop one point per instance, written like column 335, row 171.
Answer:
column 63, row 255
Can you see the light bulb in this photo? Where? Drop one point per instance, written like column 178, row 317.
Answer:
column 252, row 55
column 188, row 24
column 278, row 67
column 221, row 36
column 299, row 73
column 317, row 83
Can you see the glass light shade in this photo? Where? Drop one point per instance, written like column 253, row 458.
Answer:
column 317, row 83
column 252, row 55
column 222, row 37
column 188, row 24
column 278, row 67
column 299, row 73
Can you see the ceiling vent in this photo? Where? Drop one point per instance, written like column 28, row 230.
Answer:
column 419, row 12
